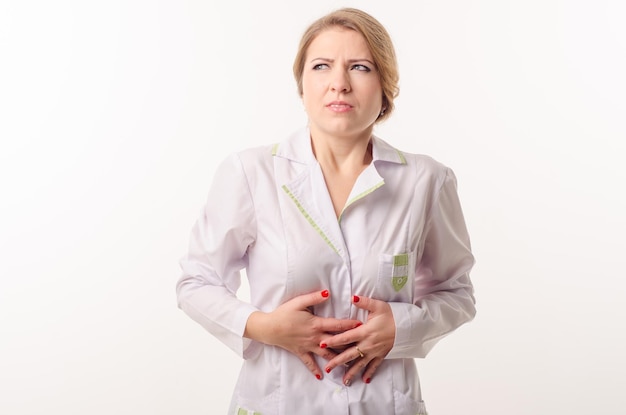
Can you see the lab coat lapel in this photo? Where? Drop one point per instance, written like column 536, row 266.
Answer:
column 304, row 184
column 367, row 182
column 370, row 180
column 309, row 193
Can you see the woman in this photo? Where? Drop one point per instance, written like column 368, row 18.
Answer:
column 357, row 254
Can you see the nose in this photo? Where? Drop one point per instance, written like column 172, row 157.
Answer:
column 340, row 82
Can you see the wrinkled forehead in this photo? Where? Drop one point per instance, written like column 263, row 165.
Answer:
column 339, row 39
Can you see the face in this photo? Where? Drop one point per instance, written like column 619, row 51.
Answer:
column 341, row 88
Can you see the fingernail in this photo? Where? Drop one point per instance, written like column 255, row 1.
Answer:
column 327, row 370
column 347, row 382
column 319, row 377
column 325, row 293
column 368, row 380
column 355, row 298
column 323, row 345
column 358, row 325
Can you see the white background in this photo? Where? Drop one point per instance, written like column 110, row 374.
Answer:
column 114, row 113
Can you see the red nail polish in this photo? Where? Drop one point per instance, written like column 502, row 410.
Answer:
column 355, row 298
column 327, row 370
column 368, row 380
column 320, row 377
column 358, row 325
column 325, row 293
column 323, row 345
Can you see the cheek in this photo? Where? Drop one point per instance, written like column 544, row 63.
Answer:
column 312, row 92
column 377, row 96
column 312, row 85
column 308, row 101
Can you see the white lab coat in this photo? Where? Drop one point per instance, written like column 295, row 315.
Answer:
column 401, row 238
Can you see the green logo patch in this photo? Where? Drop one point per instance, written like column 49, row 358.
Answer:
column 399, row 282
column 400, row 273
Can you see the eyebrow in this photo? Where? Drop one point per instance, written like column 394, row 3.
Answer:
column 349, row 60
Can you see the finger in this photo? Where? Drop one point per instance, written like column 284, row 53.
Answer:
column 357, row 367
column 367, row 303
column 347, row 337
column 342, row 339
column 306, row 300
column 348, row 355
column 325, row 354
column 309, row 362
column 335, row 325
column 371, row 368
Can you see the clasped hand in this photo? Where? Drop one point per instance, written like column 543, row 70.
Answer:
column 339, row 341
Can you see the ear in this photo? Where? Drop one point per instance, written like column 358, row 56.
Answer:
column 384, row 107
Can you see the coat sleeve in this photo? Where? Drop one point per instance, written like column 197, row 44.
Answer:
column 206, row 290
column 443, row 292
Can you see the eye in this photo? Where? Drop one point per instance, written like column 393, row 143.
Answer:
column 319, row 66
column 359, row 67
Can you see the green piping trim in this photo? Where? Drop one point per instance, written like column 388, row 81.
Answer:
column 360, row 196
column 310, row 219
column 363, row 194
column 402, row 159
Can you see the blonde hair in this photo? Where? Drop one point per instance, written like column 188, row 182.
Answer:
column 377, row 39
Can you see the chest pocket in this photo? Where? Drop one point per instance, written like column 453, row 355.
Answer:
column 396, row 273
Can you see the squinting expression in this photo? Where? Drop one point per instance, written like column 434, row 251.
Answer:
column 341, row 88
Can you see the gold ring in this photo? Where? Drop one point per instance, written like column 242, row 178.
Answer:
column 359, row 350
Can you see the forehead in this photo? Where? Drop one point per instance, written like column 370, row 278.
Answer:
column 339, row 41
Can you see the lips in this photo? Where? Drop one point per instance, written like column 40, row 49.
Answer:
column 339, row 106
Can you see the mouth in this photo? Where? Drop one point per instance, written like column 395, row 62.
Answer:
column 339, row 106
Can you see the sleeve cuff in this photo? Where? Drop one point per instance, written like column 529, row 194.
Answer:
column 247, row 348
column 403, row 323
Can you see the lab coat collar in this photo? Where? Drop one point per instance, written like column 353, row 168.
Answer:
column 308, row 190
column 297, row 148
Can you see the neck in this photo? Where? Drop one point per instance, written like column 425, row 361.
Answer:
column 342, row 154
